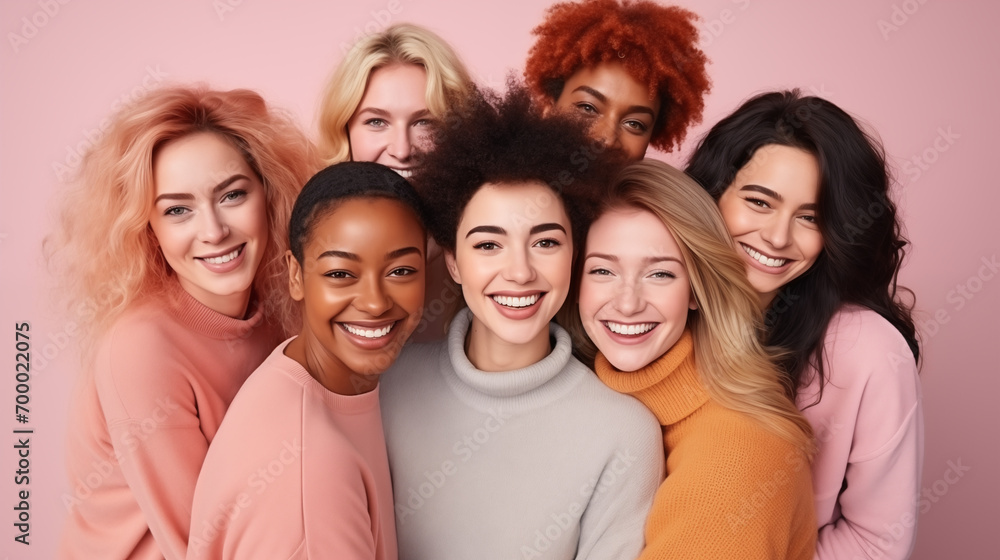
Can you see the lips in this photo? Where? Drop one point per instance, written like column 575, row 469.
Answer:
column 224, row 262
column 516, row 302
column 404, row 173
column 368, row 332
column 636, row 329
column 222, row 259
column 770, row 262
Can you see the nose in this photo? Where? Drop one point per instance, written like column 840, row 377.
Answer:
column 401, row 144
column 212, row 228
column 776, row 231
column 606, row 130
column 372, row 298
column 518, row 267
column 628, row 299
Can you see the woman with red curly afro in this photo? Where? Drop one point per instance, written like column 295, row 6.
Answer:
column 634, row 68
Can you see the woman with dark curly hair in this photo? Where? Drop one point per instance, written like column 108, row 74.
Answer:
column 632, row 69
column 501, row 444
column 804, row 192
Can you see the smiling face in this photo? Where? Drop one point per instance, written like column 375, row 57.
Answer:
column 619, row 109
column 362, row 287
column 771, row 210
column 513, row 254
column 210, row 219
column 392, row 123
column 634, row 296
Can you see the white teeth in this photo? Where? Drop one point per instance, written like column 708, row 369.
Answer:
column 516, row 301
column 404, row 173
column 774, row 263
column 223, row 258
column 619, row 328
column 369, row 333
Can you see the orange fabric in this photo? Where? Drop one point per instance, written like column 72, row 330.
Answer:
column 733, row 489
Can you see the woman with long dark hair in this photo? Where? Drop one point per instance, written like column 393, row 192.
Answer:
column 804, row 192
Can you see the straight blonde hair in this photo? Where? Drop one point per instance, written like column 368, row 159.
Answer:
column 736, row 369
column 448, row 82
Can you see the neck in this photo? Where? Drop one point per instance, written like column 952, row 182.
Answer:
column 234, row 305
column 488, row 352
column 327, row 369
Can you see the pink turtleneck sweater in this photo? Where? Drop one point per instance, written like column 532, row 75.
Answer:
column 142, row 418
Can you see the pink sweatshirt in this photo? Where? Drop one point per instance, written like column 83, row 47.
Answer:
column 141, row 421
column 870, row 439
column 295, row 472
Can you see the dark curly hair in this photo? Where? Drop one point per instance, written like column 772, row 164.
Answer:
column 657, row 45
column 862, row 238
column 507, row 139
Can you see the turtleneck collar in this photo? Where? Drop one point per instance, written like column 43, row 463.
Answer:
column 670, row 386
column 536, row 384
column 207, row 322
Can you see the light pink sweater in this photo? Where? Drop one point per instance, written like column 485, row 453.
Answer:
column 295, row 472
column 141, row 421
column 869, row 432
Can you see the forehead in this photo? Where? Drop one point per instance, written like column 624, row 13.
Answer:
column 790, row 172
column 359, row 224
column 201, row 159
column 513, row 204
column 631, row 232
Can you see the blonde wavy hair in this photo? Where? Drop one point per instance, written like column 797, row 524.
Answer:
column 448, row 82
column 736, row 369
column 104, row 254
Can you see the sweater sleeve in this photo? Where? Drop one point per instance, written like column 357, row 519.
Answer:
column 153, row 422
column 612, row 526
column 736, row 493
column 878, row 504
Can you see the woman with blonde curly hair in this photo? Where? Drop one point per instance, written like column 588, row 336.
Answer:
column 381, row 100
column 675, row 322
column 175, row 237
column 633, row 68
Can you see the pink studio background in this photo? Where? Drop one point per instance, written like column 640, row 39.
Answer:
column 925, row 78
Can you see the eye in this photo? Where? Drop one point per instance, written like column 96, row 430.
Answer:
column 375, row 122
column 176, row 211
column 586, row 108
column 338, row 274
column 757, row 202
column 402, row 271
column 809, row 218
column 547, row 243
column 233, row 196
column 662, row 274
column 486, row 246
column 423, row 122
column 600, row 272
column 636, row 126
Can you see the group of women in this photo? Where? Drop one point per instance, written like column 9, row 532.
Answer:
column 249, row 391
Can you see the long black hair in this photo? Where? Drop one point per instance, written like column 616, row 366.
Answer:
column 862, row 239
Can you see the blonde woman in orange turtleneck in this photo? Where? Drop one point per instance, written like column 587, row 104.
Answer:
column 665, row 300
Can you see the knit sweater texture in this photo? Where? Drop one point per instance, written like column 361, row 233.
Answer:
column 540, row 462
column 296, row 471
column 733, row 489
column 870, row 439
column 142, row 418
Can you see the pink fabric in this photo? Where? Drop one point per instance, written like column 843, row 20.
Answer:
column 869, row 431
column 295, row 472
column 141, row 422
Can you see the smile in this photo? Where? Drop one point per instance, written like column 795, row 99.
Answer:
column 763, row 259
column 224, row 258
column 404, row 173
column 634, row 330
column 368, row 333
column 516, row 302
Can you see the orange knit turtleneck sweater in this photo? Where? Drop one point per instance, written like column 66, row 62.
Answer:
column 733, row 489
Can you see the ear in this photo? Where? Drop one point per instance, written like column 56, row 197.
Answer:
column 449, row 261
column 692, row 302
column 295, row 280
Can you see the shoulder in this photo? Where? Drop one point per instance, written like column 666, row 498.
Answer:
column 859, row 333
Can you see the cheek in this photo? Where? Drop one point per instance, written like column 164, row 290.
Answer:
column 363, row 145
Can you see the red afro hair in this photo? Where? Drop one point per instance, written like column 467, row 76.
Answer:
column 656, row 44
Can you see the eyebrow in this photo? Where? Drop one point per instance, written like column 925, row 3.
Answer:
column 646, row 261
column 768, row 192
column 604, row 99
column 391, row 255
column 188, row 196
column 497, row 230
column 383, row 113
